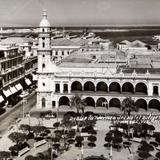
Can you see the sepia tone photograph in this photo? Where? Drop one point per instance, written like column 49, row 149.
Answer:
column 79, row 79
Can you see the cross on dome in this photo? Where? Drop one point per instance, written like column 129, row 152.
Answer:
column 44, row 13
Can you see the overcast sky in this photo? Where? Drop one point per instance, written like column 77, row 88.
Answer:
column 80, row 12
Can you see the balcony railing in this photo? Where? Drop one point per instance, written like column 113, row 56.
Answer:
column 13, row 80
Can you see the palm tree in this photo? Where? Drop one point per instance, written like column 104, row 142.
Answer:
column 128, row 105
column 78, row 102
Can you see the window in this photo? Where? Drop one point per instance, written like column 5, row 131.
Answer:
column 43, row 102
column 43, row 65
column 43, row 30
column 94, row 57
column 56, row 53
column 43, row 45
column 53, row 104
column 155, row 90
column 43, row 84
column 43, row 55
column 62, row 53
column 65, row 87
column 57, row 88
column 43, row 38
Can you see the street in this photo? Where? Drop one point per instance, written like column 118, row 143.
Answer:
column 13, row 113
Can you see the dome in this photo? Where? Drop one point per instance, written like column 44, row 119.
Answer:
column 44, row 22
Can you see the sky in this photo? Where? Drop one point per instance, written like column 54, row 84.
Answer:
column 80, row 12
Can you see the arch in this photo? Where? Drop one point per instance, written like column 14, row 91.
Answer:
column 141, row 103
column 90, row 101
column 102, row 102
column 43, row 102
column 141, row 88
column 76, row 86
column 89, row 86
column 155, row 104
column 115, row 102
column 115, row 87
column 64, row 101
column 127, row 87
column 102, row 86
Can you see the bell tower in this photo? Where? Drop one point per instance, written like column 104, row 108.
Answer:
column 44, row 47
column 44, row 63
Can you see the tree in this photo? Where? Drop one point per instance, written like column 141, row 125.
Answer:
column 128, row 105
column 4, row 155
column 78, row 102
column 37, row 130
column 56, row 125
column 25, row 127
column 17, row 137
column 79, row 140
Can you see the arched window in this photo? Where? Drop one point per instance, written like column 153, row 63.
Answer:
column 43, row 102
column 43, row 38
column 43, row 55
column 43, row 44
column 43, row 65
column 43, row 30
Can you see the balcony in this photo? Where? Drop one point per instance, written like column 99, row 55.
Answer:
column 13, row 80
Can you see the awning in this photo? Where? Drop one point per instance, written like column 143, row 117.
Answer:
column 13, row 89
column 1, row 99
column 18, row 86
column 7, row 92
column 35, row 77
column 28, row 81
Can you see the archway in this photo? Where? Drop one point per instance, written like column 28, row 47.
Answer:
column 141, row 103
column 102, row 87
column 115, row 102
column 127, row 88
column 102, row 102
column 115, row 87
column 64, row 101
column 89, row 86
column 155, row 104
column 90, row 101
column 76, row 86
column 141, row 88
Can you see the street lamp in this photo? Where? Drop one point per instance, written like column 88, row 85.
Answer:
column 23, row 95
column 105, row 103
column 82, row 154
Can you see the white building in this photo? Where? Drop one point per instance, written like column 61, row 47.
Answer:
column 96, row 82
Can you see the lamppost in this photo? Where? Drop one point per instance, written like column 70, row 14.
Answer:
column 23, row 95
column 82, row 152
column 110, row 154
column 105, row 103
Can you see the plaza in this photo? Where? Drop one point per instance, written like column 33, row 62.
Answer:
column 100, row 79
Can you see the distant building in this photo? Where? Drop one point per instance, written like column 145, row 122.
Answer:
column 132, row 47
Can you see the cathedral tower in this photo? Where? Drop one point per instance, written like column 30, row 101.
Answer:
column 44, row 63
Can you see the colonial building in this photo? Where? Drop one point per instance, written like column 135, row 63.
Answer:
column 97, row 76
column 15, row 73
